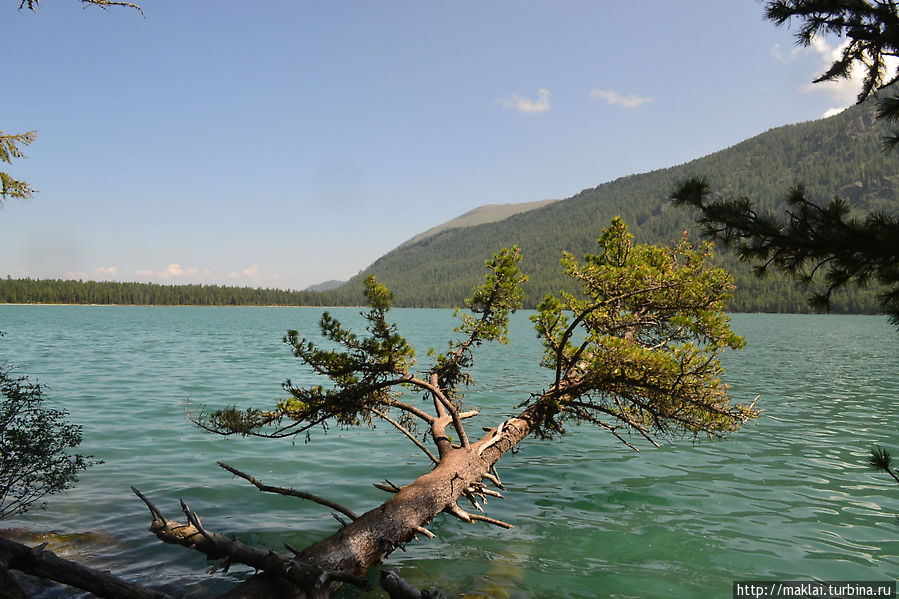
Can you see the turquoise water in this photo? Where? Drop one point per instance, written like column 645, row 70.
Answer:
column 789, row 497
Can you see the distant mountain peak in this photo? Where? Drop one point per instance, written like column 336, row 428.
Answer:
column 488, row 213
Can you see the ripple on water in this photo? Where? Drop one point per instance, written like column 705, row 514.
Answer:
column 789, row 497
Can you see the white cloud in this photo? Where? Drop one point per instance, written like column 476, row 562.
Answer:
column 176, row 270
column 842, row 92
column 833, row 112
column 527, row 105
column 76, row 274
column 777, row 55
column 172, row 271
column 178, row 273
column 109, row 271
column 612, row 98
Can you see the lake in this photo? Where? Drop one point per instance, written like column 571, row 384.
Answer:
column 790, row 497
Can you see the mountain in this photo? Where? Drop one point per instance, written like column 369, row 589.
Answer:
column 840, row 155
column 489, row 213
column 325, row 285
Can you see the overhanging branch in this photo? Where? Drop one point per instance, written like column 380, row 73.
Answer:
column 289, row 492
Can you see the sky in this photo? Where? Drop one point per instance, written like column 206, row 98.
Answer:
column 285, row 143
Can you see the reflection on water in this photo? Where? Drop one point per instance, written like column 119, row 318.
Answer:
column 790, row 497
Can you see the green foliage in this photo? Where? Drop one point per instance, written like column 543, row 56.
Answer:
column 871, row 31
column 362, row 370
column 638, row 346
column 490, row 306
column 10, row 149
column 34, row 446
column 869, row 28
column 801, row 238
column 635, row 349
column 805, row 241
column 882, row 460
column 56, row 291
column 368, row 373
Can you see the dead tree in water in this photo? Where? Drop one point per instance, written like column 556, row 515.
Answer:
column 635, row 352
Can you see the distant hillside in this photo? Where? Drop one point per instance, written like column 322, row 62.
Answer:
column 489, row 213
column 325, row 286
column 836, row 156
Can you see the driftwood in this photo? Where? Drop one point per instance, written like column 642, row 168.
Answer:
column 345, row 557
column 38, row 561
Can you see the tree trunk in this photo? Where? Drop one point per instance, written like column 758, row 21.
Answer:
column 320, row 569
column 377, row 533
column 46, row 564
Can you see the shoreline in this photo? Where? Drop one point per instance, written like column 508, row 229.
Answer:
column 334, row 307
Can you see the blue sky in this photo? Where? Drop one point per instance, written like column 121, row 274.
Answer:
column 283, row 143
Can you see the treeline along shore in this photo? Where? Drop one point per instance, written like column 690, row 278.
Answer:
column 59, row 291
column 781, row 295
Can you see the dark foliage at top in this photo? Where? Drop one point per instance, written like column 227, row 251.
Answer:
column 871, row 29
column 805, row 240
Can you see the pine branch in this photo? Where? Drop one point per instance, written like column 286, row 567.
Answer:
column 881, row 459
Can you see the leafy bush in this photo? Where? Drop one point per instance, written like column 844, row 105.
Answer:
column 34, row 446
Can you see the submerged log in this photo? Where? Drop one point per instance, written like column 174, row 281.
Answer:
column 41, row 562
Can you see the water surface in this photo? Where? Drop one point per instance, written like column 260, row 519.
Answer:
column 789, row 497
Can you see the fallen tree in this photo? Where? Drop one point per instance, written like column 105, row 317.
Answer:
column 636, row 354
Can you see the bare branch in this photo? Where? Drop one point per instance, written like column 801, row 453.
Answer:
column 154, row 511
column 488, row 520
column 428, row 418
column 454, row 510
column 406, row 432
column 290, row 492
column 495, row 480
column 216, row 546
column 397, row 588
column 389, row 487
column 343, row 522
column 194, row 519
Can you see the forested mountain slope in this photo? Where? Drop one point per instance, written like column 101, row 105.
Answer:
column 840, row 155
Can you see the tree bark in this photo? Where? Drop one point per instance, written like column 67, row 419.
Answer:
column 377, row 533
column 321, row 569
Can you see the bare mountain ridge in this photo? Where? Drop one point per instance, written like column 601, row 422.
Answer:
column 488, row 213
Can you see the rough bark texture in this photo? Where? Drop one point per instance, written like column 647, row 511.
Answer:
column 377, row 533
column 320, row 569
